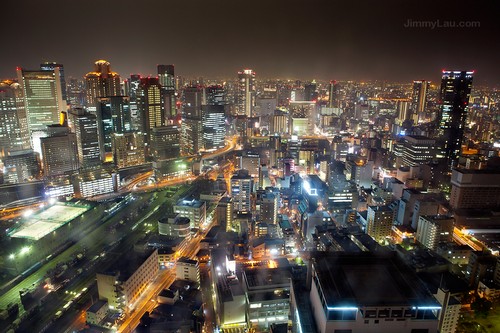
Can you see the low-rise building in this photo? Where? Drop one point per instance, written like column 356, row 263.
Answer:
column 97, row 312
column 173, row 225
column 367, row 293
column 188, row 269
column 194, row 210
column 268, row 296
column 123, row 284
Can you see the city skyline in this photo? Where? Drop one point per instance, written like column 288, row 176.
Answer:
column 300, row 166
column 275, row 40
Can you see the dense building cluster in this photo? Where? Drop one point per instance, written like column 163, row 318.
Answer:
column 274, row 205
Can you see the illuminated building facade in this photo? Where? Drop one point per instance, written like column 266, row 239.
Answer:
column 14, row 133
column 50, row 66
column 379, row 222
column 214, row 126
column 455, row 93
column 123, row 286
column 42, row 100
column 390, row 299
column 432, row 230
column 165, row 142
column 166, row 76
column 87, row 138
column 194, row 210
column 128, row 149
column 149, row 101
column 113, row 116
column 59, row 151
column 245, row 97
column 102, row 82
column 419, row 100
column 241, row 191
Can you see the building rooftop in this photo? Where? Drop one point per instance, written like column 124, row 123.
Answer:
column 263, row 277
column 97, row 306
column 367, row 279
column 50, row 219
column 187, row 261
column 478, row 171
column 128, row 264
column 190, row 203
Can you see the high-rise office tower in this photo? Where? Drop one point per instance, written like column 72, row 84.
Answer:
column 475, row 189
column 245, row 97
column 14, row 133
column 131, row 88
column 87, row 138
column 193, row 98
column 192, row 129
column 59, row 151
column 128, row 149
column 165, row 142
column 102, row 82
column 414, row 150
column 150, row 105
column 432, row 230
column 42, row 100
column 215, row 95
column 333, row 90
column 214, row 117
column 379, row 222
column 455, row 93
column 403, row 112
column 50, row 66
column 113, row 116
column 224, row 213
column 214, row 126
column 269, row 208
column 166, row 77
column 419, row 100
column 241, row 191
column 310, row 93
column 21, row 166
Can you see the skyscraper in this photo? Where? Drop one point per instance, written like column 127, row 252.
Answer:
column 310, row 93
column 215, row 95
column 419, row 100
column 432, row 230
column 241, row 191
column 214, row 117
column 192, row 129
column 50, row 66
column 165, row 142
column 455, row 93
column 333, row 88
column 87, row 138
column 245, row 97
column 379, row 222
column 166, row 77
column 14, row 133
column 59, row 151
column 214, row 126
column 102, row 82
column 113, row 116
column 150, row 105
column 128, row 149
column 131, row 88
column 42, row 100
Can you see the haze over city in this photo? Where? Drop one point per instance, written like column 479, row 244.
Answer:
column 249, row 167
column 278, row 39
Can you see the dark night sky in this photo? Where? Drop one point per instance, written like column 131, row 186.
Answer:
column 303, row 39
